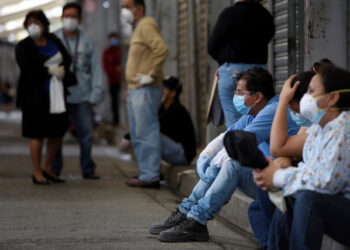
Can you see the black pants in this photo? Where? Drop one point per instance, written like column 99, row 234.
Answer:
column 114, row 90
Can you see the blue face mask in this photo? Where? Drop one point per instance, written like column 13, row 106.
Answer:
column 300, row 120
column 238, row 102
column 114, row 42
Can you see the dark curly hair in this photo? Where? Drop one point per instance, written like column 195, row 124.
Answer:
column 40, row 16
column 74, row 6
column 258, row 80
column 304, row 79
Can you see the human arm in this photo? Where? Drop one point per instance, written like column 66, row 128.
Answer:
column 325, row 170
column 155, row 42
column 96, row 76
column 280, row 143
column 26, row 60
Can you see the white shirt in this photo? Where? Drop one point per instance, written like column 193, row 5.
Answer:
column 326, row 161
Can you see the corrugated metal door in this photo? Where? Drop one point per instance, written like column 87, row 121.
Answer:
column 348, row 35
column 184, row 60
column 280, row 42
column 187, row 72
column 202, row 64
column 286, row 47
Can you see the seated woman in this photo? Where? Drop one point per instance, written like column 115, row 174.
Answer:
column 321, row 183
column 261, row 211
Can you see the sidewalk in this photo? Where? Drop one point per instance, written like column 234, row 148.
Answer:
column 87, row 214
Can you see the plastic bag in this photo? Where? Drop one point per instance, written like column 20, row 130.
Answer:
column 57, row 104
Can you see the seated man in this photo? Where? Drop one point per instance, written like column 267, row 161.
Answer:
column 219, row 175
column 177, row 137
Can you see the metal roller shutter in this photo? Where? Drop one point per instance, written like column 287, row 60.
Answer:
column 202, row 65
column 280, row 42
column 348, row 43
column 184, row 60
column 288, row 43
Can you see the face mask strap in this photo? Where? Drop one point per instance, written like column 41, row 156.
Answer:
column 335, row 91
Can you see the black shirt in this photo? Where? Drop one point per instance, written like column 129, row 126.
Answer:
column 241, row 34
column 175, row 122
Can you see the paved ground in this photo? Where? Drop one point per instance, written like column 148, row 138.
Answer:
column 86, row 214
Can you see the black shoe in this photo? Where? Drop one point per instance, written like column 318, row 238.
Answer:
column 49, row 177
column 42, row 182
column 91, row 176
column 173, row 220
column 142, row 184
column 187, row 230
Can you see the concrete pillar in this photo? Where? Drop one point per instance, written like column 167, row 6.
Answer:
column 326, row 31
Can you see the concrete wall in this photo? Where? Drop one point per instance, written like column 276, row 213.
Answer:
column 326, row 31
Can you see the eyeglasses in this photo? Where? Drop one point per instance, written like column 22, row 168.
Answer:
column 241, row 93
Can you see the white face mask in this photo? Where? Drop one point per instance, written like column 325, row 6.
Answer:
column 310, row 109
column 127, row 16
column 70, row 24
column 34, row 31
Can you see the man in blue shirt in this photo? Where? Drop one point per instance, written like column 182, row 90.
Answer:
column 220, row 175
column 87, row 92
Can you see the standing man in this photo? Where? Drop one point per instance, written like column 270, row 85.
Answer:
column 87, row 92
column 111, row 63
column 238, row 43
column 144, row 75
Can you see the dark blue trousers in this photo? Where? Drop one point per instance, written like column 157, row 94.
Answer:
column 309, row 217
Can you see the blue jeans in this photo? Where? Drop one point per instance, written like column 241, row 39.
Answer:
column 172, row 152
column 82, row 117
column 259, row 222
column 313, row 215
column 227, row 85
column 143, row 104
column 260, row 214
column 207, row 199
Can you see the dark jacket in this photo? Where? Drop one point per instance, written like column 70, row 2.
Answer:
column 175, row 122
column 31, row 92
column 242, row 33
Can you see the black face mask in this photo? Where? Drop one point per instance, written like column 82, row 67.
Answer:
column 243, row 147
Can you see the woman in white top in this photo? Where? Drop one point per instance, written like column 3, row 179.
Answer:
column 321, row 183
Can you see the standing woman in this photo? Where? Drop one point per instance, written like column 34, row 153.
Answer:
column 33, row 55
column 238, row 43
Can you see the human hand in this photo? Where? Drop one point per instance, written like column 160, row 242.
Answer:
column 144, row 79
column 203, row 163
column 216, row 74
column 57, row 71
column 287, row 91
column 264, row 178
column 283, row 162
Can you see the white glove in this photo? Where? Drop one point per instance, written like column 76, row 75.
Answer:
column 220, row 158
column 144, row 79
column 57, row 71
column 214, row 146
